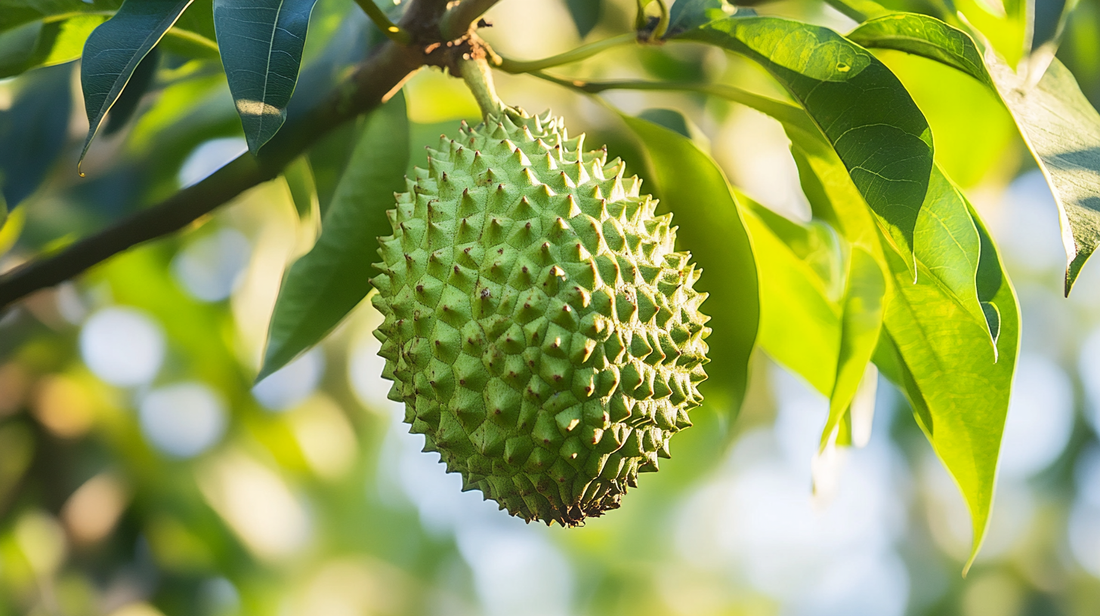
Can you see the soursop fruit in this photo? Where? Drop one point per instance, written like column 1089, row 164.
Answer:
column 540, row 326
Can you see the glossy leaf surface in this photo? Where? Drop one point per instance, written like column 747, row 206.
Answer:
column 261, row 45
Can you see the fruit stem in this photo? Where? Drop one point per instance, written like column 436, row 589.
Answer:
column 574, row 55
column 479, row 78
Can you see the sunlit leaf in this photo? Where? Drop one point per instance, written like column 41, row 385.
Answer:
column 799, row 323
column 1058, row 123
column 861, row 323
column 261, row 45
column 947, row 370
column 924, row 36
column 333, row 277
column 690, row 14
column 692, row 186
column 859, row 105
column 114, row 51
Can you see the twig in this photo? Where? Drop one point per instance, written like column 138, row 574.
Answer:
column 574, row 55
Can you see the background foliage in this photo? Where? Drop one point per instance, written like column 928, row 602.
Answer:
column 142, row 471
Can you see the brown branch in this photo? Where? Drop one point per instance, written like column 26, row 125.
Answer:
column 371, row 84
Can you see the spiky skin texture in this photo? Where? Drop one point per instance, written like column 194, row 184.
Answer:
column 540, row 327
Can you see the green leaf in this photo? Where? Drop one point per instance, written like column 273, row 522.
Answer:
column 692, row 186
column 800, row 321
column 16, row 13
column 690, row 14
column 585, row 14
column 26, row 47
column 947, row 242
column 38, row 119
column 127, row 103
column 1059, row 125
column 114, row 51
column 303, row 190
column 860, row 106
column 261, row 45
column 924, row 36
column 946, row 369
column 333, row 277
column 861, row 323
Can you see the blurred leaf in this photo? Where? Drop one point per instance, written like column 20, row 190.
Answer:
column 261, row 47
column 692, row 186
column 303, row 190
column 26, row 47
column 131, row 96
column 1009, row 33
column 35, row 128
column 11, row 227
column 1059, row 125
column 946, row 369
column 800, row 325
column 114, row 51
column 861, row 323
column 15, row 13
column 330, row 280
column 585, row 13
column 860, row 106
column 924, row 36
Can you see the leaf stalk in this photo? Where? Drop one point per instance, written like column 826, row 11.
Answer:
column 392, row 31
column 574, row 55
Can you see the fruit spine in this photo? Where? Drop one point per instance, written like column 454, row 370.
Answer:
column 540, row 326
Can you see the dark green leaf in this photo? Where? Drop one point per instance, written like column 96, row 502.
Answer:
column 859, row 105
column 585, row 13
column 333, row 277
column 689, row 14
column 114, row 51
column 261, row 45
column 692, row 186
column 128, row 101
column 959, row 392
column 38, row 120
column 16, row 13
column 924, row 36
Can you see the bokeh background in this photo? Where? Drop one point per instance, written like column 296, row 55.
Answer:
column 142, row 473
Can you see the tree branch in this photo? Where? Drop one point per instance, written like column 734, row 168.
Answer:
column 371, row 84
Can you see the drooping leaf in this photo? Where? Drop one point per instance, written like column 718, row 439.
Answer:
column 303, row 190
column 324, row 285
column 943, row 363
column 261, row 45
column 132, row 94
column 114, row 51
column 924, row 36
column 860, row 106
column 1059, row 125
column 585, row 14
column 38, row 120
column 947, row 242
column 692, row 186
column 861, row 323
column 16, row 13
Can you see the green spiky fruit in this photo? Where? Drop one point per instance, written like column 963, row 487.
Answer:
column 540, row 326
